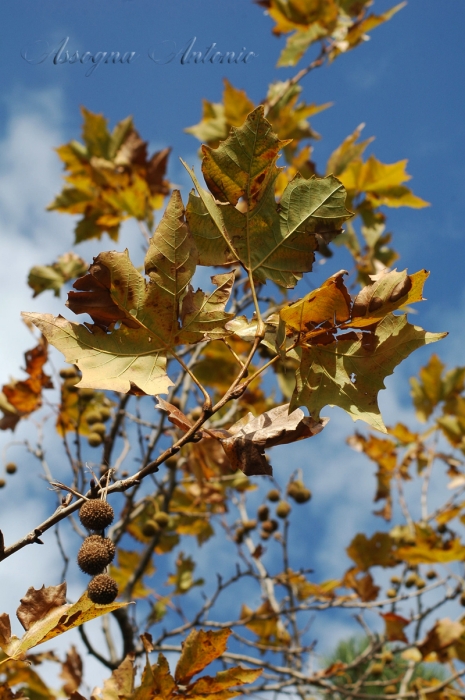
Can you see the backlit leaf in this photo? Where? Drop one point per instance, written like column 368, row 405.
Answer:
column 271, row 242
column 199, row 649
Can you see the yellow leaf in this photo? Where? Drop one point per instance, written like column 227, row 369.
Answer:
column 54, row 623
column 329, row 302
column 199, row 649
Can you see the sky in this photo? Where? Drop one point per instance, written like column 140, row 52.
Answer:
column 406, row 84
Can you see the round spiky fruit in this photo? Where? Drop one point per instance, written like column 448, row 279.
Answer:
column 411, row 580
column 11, row 468
column 2, row 483
column 396, row 580
column 96, row 514
column 391, row 592
column 390, row 689
column 273, row 495
column 377, row 669
column 95, row 554
column 431, row 574
column 98, row 428
column 283, row 509
column 102, row 589
column 162, row 519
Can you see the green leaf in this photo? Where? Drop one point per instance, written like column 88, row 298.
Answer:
column 203, row 315
column 349, row 372
column 67, row 267
column 272, row 242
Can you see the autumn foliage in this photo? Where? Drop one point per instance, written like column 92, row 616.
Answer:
column 171, row 397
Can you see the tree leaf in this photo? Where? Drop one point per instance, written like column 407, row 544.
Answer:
column 110, row 178
column 20, row 398
column 135, row 323
column 199, row 649
column 265, row 623
column 54, row 276
column 349, row 371
column 209, row 686
column 389, row 291
column 379, row 550
column 120, row 685
column 395, row 625
column 203, row 316
column 245, row 446
column 46, row 617
column 36, row 604
column 271, row 242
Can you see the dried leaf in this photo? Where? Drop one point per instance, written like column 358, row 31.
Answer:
column 71, row 671
column 37, row 603
column 56, row 620
column 395, row 627
column 199, row 649
column 249, row 437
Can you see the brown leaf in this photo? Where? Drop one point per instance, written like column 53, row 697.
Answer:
column 71, row 671
column 444, row 633
column 147, row 642
column 395, row 627
column 93, row 297
column 363, row 586
column 5, row 629
column 20, row 398
column 176, row 416
column 37, row 603
column 120, row 685
column 250, row 436
column 199, row 650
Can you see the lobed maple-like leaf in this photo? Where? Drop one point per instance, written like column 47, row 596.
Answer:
column 395, row 625
column 20, row 398
column 348, row 370
column 238, row 220
column 135, row 322
column 67, row 267
column 110, row 178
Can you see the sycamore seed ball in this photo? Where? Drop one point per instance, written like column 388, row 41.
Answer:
column 2, row 483
column 94, row 439
column 98, row 428
column 273, row 495
column 283, row 509
column 150, row 528
column 96, row 514
column 95, row 554
column 105, row 413
column 68, row 372
column 162, row 519
column 391, row 592
column 102, row 590
column 11, row 468
column 93, row 417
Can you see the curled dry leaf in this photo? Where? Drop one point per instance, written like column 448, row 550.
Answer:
column 37, row 603
column 45, row 614
column 247, row 439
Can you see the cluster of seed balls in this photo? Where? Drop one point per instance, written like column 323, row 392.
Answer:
column 295, row 489
column 97, row 551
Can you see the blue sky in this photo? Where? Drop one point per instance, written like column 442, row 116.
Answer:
column 406, row 84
